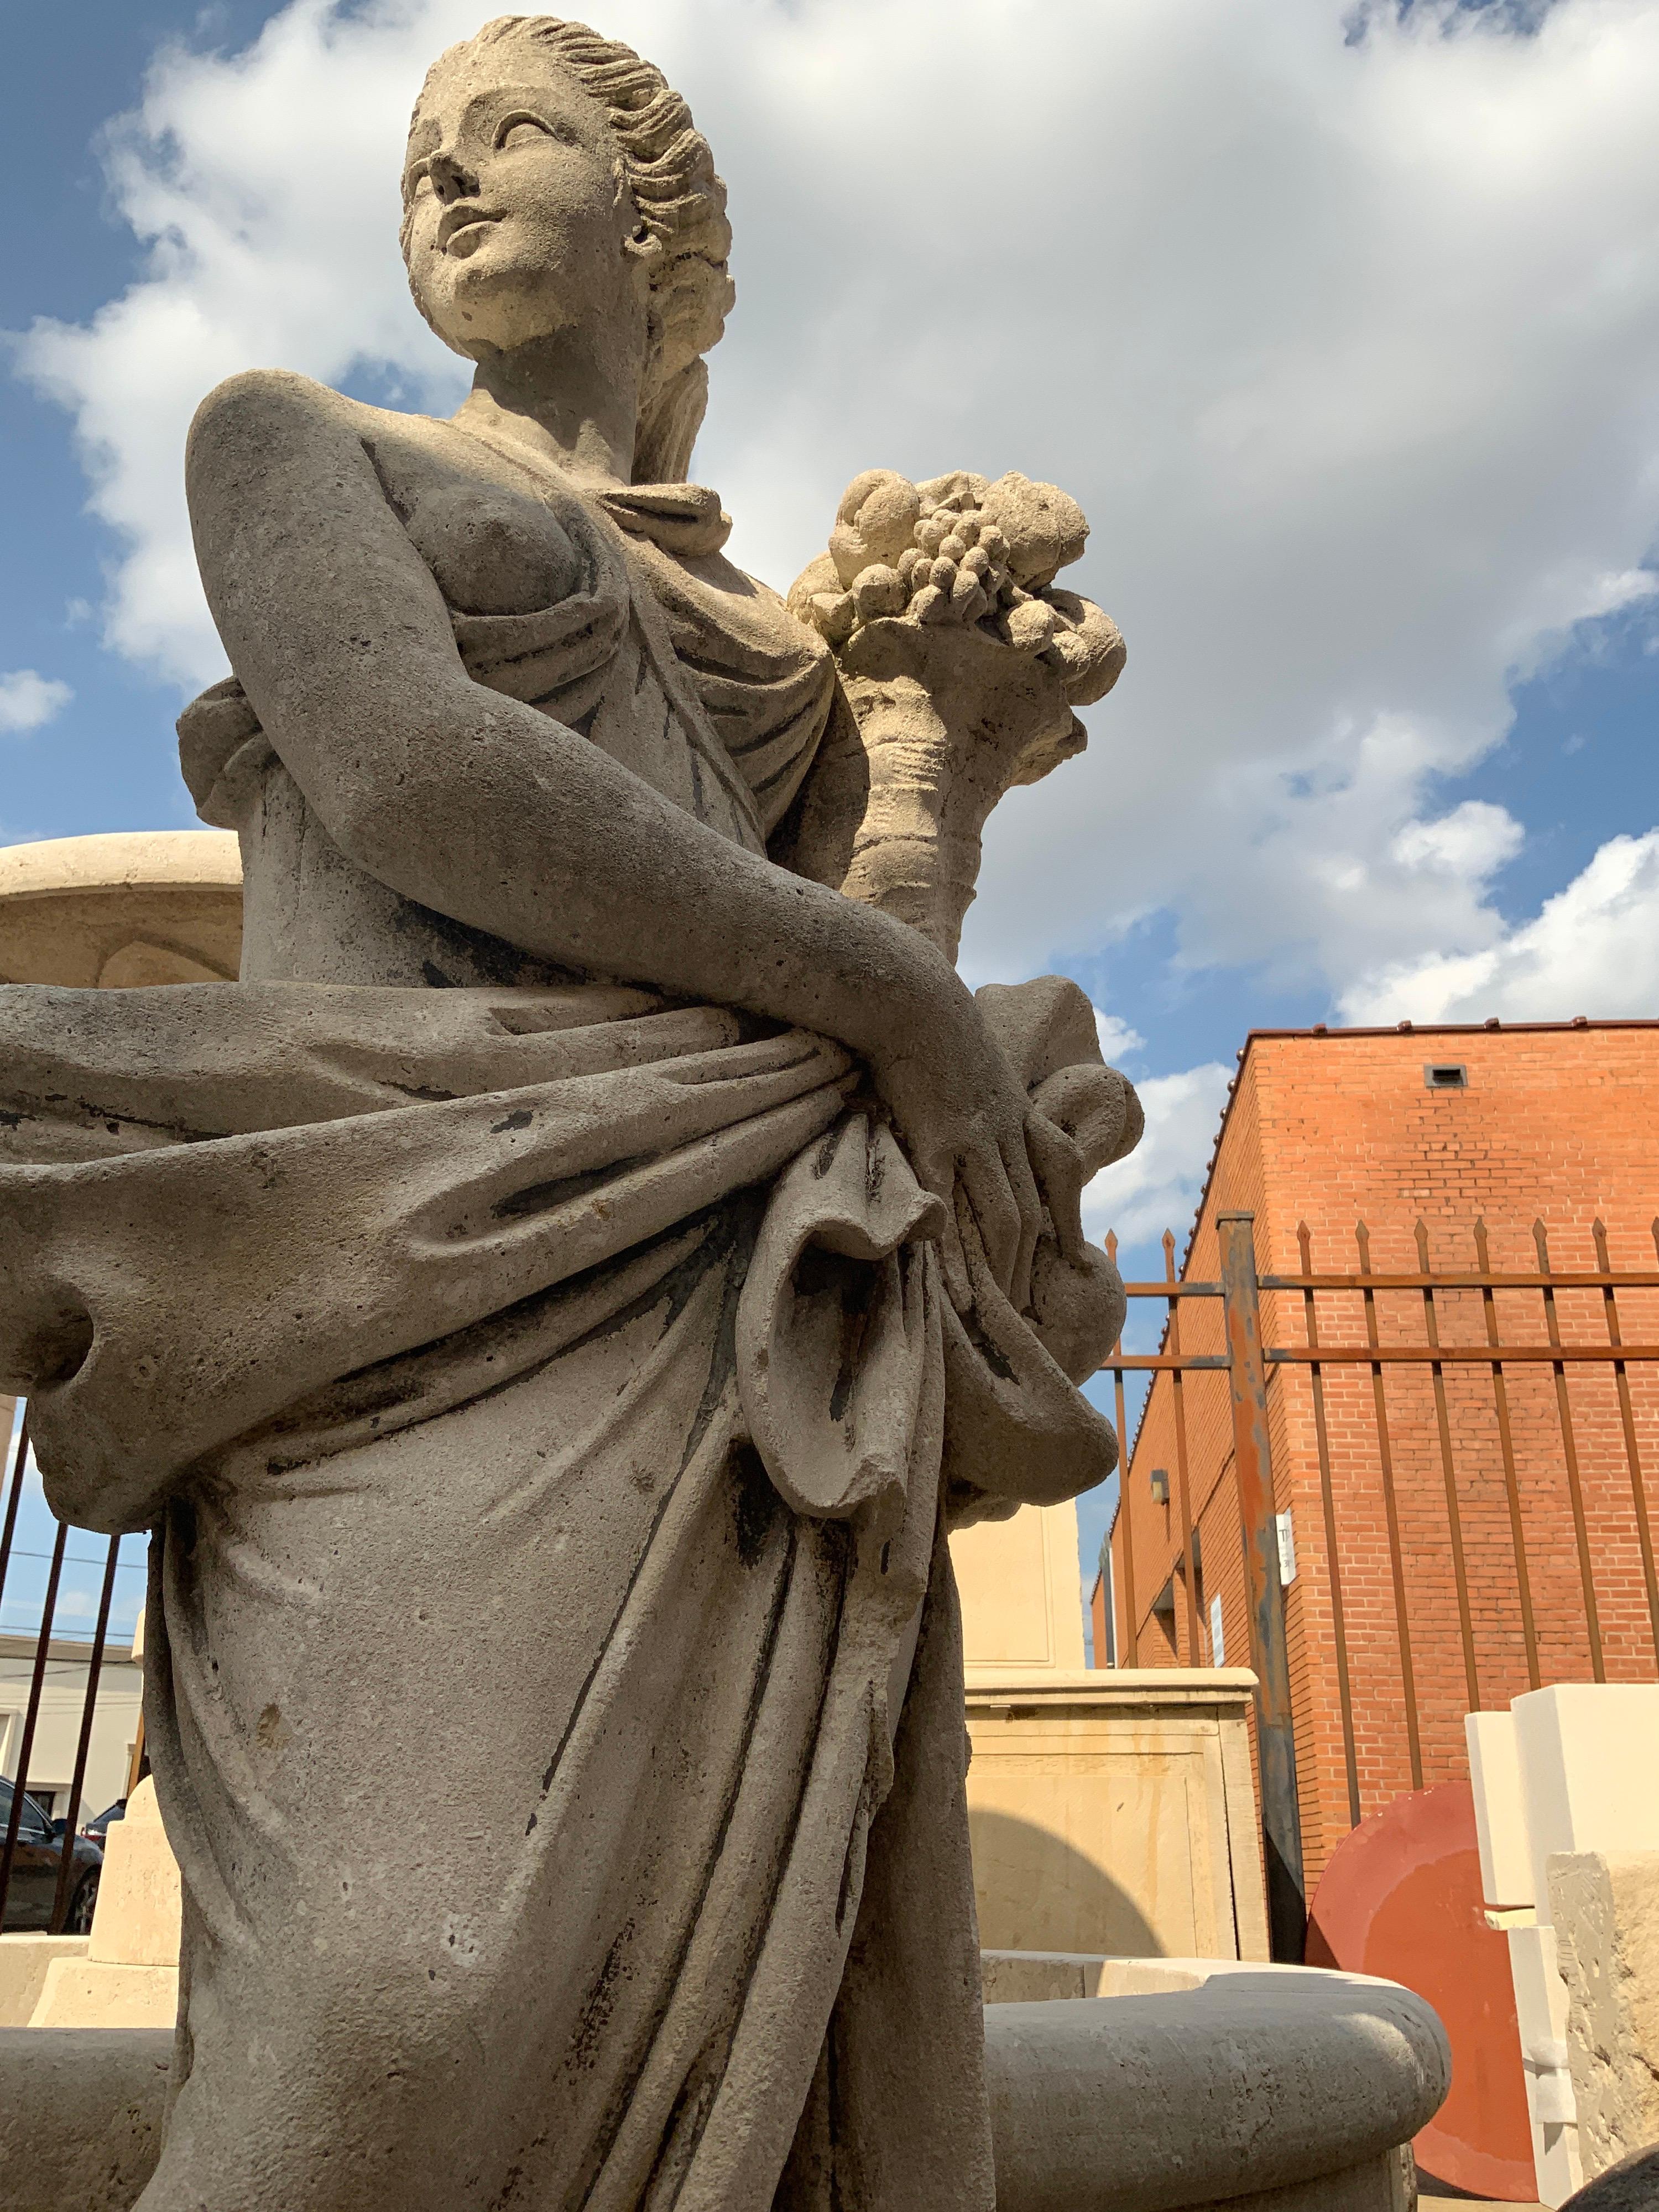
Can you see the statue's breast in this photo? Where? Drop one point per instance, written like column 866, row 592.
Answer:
column 492, row 552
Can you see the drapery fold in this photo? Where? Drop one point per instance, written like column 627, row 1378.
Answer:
column 561, row 1378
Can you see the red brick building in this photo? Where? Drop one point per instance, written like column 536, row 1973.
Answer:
column 1492, row 1525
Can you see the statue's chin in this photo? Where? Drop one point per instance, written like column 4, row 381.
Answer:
column 485, row 307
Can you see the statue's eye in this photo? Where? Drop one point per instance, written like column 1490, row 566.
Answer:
column 520, row 130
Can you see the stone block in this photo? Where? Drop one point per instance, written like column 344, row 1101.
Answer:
column 1500, row 1812
column 137, row 1917
column 1113, row 1812
column 24, row 1960
column 1606, row 1912
column 1587, row 1771
column 92, row 1993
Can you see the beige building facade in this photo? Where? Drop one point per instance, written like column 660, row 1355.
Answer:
column 63, row 1698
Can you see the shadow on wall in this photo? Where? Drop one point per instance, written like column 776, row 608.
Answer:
column 1036, row 1893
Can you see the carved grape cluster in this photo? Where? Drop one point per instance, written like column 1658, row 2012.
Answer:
column 960, row 550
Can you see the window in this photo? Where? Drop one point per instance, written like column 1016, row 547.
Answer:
column 1218, row 1639
column 1445, row 1075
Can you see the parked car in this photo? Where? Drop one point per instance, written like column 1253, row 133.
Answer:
column 96, row 1829
column 34, row 1886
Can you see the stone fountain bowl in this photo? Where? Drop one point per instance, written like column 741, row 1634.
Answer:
column 1206, row 2082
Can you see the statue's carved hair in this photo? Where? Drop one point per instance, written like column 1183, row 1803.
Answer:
column 669, row 171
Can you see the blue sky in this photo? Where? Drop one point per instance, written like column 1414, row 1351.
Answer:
column 1344, row 326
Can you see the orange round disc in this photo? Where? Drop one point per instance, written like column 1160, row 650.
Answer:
column 1400, row 1898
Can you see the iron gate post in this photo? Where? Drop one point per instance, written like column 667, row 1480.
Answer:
column 1275, row 1736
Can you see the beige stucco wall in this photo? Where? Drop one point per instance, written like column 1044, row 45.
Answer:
column 51, row 1761
column 1022, row 1606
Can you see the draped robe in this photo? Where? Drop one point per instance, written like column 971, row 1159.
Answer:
column 549, row 1414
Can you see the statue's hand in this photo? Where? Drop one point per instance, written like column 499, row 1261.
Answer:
column 960, row 555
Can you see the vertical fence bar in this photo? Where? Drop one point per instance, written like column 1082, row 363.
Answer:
column 83, row 1745
column 1449, row 1476
column 31, row 1718
column 1275, row 1735
column 1177, row 1379
column 1570, row 1452
column 1627, row 1417
column 13, row 1499
column 1131, row 1619
column 1327, row 1501
column 1506, row 1444
column 1391, row 1508
column 138, row 1765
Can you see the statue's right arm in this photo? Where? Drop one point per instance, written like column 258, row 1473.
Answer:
column 490, row 811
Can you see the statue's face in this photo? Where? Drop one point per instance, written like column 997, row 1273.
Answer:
column 518, row 218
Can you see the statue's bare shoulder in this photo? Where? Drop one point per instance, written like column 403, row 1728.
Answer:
column 275, row 458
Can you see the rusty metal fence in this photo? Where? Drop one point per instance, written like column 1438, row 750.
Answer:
column 1384, row 1324
column 20, row 1809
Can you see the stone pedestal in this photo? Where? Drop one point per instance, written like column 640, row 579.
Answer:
column 130, row 1975
column 1112, row 1811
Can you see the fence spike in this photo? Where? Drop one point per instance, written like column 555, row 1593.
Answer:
column 1540, row 1239
column 1422, row 1234
column 1482, row 1259
column 1305, row 1245
column 1362, row 1238
column 1599, row 1232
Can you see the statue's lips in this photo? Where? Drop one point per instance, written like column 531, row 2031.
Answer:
column 466, row 225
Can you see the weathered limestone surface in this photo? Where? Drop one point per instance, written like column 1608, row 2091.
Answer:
column 1300, row 2083
column 1258, row 2082
column 1114, row 1811
column 24, row 1961
column 1605, row 1908
column 128, row 1976
column 133, row 907
column 81, row 2116
column 554, row 1305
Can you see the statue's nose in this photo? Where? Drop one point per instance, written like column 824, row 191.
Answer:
column 451, row 178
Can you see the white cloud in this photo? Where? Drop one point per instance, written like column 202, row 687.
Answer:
column 1345, row 348
column 28, row 700
column 1118, row 1040
column 1157, row 1188
column 1593, row 949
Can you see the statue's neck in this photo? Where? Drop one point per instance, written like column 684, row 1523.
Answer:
column 562, row 401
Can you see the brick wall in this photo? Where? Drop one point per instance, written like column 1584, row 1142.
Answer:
column 1558, row 1121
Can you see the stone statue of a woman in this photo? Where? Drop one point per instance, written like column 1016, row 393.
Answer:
column 552, row 1308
